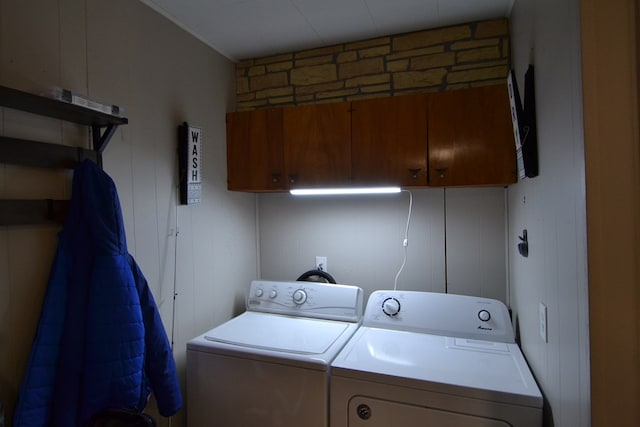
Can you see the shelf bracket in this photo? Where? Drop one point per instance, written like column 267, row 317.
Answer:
column 101, row 139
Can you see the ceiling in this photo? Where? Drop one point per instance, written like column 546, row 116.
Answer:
column 243, row 29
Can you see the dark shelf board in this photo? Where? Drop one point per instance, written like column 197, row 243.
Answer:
column 26, row 212
column 42, row 155
column 41, row 105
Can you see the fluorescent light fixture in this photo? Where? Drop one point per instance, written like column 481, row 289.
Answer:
column 342, row 191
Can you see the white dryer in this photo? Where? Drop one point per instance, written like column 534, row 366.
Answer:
column 423, row 359
column 269, row 366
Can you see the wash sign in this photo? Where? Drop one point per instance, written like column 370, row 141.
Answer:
column 190, row 156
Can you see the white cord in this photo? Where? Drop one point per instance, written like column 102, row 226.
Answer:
column 405, row 242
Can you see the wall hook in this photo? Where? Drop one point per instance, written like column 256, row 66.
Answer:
column 523, row 246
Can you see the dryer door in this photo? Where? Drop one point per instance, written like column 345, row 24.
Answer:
column 369, row 412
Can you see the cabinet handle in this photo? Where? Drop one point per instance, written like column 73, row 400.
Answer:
column 275, row 177
column 293, row 177
column 441, row 172
column 414, row 172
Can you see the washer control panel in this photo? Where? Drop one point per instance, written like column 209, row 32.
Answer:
column 440, row 314
column 307, row 299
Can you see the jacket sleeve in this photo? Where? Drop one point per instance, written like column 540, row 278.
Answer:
column 160, row 365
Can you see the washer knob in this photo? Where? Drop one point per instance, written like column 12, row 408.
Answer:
column 273, row 293
column 259, row 292
column 391, row 306
column 299, row 296
column 484, row 315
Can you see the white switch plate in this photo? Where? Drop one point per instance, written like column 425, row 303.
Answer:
column 543, row 322
column 321, row 263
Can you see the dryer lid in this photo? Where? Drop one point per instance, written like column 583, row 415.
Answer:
column 279, row 333
column 485, row 369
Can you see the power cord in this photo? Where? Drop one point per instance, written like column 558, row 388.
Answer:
column 405, row 241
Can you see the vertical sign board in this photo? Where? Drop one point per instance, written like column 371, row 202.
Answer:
column 189, row 156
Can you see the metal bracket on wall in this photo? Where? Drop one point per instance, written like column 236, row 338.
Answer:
column 523, row 246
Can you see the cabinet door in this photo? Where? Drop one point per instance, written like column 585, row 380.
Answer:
column 471, row 138
column 255, row 159
column 389, row 141
column 317, row 145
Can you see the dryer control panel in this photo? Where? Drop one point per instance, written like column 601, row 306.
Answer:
column 440, row 314
column 307, row 299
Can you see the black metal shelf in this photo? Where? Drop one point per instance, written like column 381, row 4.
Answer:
column 44, row 155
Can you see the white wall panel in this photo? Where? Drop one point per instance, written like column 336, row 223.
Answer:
column 362, row 239
column 475, row 233
column 552, row 208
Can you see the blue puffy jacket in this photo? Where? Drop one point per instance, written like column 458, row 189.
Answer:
column 100, row 341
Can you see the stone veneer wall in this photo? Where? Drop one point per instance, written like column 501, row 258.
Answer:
column 446, row 58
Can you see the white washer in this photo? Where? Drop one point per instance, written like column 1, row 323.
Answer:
column 422, row 359
column 270, row 365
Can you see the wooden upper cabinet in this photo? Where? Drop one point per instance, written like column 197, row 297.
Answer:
column 471, row 139
column 255, row 158
column 317, row 145
column 389, row 141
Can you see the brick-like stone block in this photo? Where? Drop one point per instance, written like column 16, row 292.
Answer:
column 329, row 50
column 315, row 60
column 273, row 59
column 433, row 61
column 376, row 88
column 374, row 51
column 474, row 44
column 245, row 64
column 304, row 98
column 498, row 27
column 313, row 89
column 419, row 79
column 242, row 85
column 395, row 66
column 367, row 43
column 360, row 68
column 281, row 100
column 257, row 70
column 244, row 97
column 481, row 54
column 349, row 56
column 416, row 52
column 268, row 80
column 505, row 48
column 368, row 80
column 431, row 37
column 279, row 66
column 315, row 74
column 252, row 105
column 483, row 64
column 478, row 74
column 269, row 93
column 337, row 93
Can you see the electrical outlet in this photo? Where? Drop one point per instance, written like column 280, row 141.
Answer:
column 321, row 263
column 543, row 322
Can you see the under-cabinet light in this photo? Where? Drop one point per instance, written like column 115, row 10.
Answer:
column 342, row 191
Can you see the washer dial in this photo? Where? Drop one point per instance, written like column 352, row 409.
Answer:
column 299, row 296
column 391, row 306
column 484, row 315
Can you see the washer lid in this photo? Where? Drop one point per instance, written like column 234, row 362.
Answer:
column 488, row 370
column 279, row 333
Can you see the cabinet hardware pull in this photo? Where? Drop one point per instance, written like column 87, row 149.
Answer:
column 441, row 172
column 293, row 177
column 275, row 177
column 414, row 172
